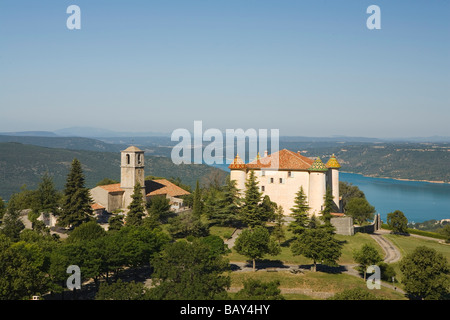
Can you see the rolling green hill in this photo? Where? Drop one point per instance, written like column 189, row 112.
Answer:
column 25, row 164
column 414, row 161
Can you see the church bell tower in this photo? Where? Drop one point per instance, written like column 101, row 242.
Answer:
column 131, row 172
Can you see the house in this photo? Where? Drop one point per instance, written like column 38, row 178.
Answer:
column 114, row 197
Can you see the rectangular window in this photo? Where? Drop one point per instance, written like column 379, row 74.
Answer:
column 263, row 173
column 290, row 174
column 281, row 180
column 263, row 188
column 271, row 180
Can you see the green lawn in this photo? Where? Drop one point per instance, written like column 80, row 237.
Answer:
column 407, row 244
column 223, row 232
column 349, row 244
column 315, row 281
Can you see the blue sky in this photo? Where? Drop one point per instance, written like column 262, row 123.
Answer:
column 309, row 68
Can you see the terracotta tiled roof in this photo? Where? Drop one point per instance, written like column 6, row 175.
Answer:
column 163, row 186
column 97, row 206
column 237, row 163
column 132, row 149
column 337, row 214
column 112, row 187
column 333, row 163
column 283, row 159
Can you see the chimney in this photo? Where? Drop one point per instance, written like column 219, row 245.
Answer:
column 298, row 152
column 265, row 153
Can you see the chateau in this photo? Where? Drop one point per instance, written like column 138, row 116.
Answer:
column 117, row 196
column 281, row 174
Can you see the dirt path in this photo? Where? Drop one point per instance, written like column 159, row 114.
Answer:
column 391, row 251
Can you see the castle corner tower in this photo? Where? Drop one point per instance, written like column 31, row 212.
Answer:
column 238, row 172
column 333, row 179
column 317, row 186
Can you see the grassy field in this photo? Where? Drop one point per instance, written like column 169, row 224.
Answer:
column 350, row 243
column 223, row 232
column 319, row 285
column 317, row 282
column 407, row 244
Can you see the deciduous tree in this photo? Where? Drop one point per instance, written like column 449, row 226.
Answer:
column 426, row 274
column 398, row 222
column 256, row 243
column 189, row 271
column 360, row 210
column 366, row 256
column 258, row 290
column 319, row 245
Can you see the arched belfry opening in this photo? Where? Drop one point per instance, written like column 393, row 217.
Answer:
column 128, row 159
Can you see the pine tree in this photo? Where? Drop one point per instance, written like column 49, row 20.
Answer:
column 268, row 207
column 231, row 202
column 46, row 196
column 250, row 212
column 327, row 207
column 76, row 207
column 300, row 213
column 222, row 205
column 2, row 208
column 12, row 224
column 197, row 206
column 136, row 207
column 278, row 232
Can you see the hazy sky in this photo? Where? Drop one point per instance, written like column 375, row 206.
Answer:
column 308, row 68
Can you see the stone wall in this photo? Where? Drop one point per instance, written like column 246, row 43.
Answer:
column 343, row 225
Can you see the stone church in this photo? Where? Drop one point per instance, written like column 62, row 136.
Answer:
column 281, row 174
column 117, row 196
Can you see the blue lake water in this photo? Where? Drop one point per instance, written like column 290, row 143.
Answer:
column 419, row 201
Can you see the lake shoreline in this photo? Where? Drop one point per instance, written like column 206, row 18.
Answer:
column 398, row 179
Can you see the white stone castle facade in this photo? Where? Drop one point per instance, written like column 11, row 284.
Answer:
column 281, row 174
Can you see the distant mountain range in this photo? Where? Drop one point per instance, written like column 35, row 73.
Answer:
column 25, row 156
column 99, row 133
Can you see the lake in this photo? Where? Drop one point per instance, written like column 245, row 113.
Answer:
column 419, row 201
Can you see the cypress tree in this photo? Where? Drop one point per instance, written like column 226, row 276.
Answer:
column 2, row 208
column 278, row 232
column 47, row 197
column 136, row 207
column 251, row 210
column 222, row 205
column 76, row 207
column 328, row 207
column 300, row 213
column 197, row 206
column 12, row 224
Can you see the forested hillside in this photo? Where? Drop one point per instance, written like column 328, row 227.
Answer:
column 429, row 162
column 25, row 164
